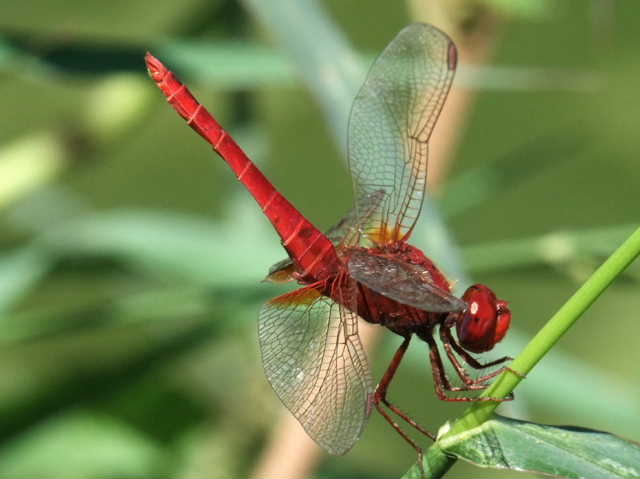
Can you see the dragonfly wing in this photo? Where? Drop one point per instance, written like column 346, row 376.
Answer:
column 403, row 282
column 391, row 121
column 347, row 231
column 315, row 362
column 281, row 272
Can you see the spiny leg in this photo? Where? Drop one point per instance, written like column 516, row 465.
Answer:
column 445, row 330
column 470, row 360
column 453, row 359
column 404, row 436
column 441, row 381
column 450, row 344
column 380, row 396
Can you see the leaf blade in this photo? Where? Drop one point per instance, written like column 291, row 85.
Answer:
column 566, row 451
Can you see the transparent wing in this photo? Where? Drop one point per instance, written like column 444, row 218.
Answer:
column 403, row 282
column 347, row 231
column 315, row 362
column 391, row 121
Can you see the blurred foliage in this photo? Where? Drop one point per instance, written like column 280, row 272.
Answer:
column 130, row 262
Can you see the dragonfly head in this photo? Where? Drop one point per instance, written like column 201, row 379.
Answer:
column 486, row 320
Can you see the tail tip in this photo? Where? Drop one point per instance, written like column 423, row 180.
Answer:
column 155, row 67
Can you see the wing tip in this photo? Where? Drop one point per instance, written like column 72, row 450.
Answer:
column 452, row 56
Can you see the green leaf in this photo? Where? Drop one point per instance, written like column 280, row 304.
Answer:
column 331, row 69
column 29, row 163
column 81, row 444
column 232, row 65
column 555, row 450
column 19, row 271
column 471, row 188
column 169, row 243
column 557, row 248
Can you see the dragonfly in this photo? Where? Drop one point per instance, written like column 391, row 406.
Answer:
column 363, row 267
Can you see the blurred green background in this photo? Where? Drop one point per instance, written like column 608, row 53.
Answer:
column 131, row 258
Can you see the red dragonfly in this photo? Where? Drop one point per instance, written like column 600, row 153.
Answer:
column 363, row 267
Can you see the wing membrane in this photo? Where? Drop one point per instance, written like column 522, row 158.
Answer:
column 406, row 283
column 391, row 121
column 315, row 362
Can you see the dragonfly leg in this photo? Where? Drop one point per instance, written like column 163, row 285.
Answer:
column 450, row 345
column 403, row 434
column 442, row 382
column 445, row 336
column 380, row 397
column 450, row 342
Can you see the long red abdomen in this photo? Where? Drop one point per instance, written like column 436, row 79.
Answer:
column 306, row 245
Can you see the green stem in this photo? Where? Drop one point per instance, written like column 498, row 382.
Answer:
column 540, row 345
column 436, row 463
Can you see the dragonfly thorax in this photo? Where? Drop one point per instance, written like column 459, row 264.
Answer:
column 404, row 252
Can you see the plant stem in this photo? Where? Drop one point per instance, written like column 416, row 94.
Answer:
column 553, row 331
column 542, row 342
column 436, row 463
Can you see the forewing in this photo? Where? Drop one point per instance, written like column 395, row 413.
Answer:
column 403, row 282
column 315, row 362
column 391, row 121
column 347, row 231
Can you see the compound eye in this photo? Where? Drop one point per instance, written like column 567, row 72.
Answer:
column 504, row 320
column 477, row 327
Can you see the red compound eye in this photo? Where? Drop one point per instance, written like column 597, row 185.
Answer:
column 485, row 321
column 504, row 320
